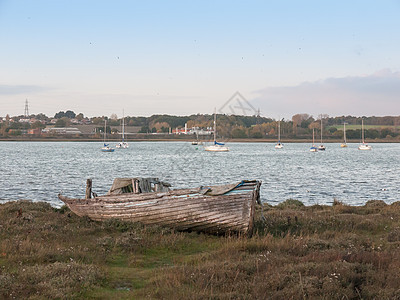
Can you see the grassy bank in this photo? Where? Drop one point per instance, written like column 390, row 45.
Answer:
column 298, row 252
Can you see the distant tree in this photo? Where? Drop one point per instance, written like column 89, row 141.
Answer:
column 97, row 120
column 314, row 125
column 272, row 132
column 353, row 134
column 144, row 129
column 63, row 122
column 80, row 117
column 372, row 134
column 17, row 125
column 238, row 133
column 257, row 135
column 159, row 126
column 69, row 114
column 306, row 123
column 59, row 115
column 114, row 117
column 113, row 122
column 332, row 130
column 38, row 124
column 298, row 120
column 42, row 117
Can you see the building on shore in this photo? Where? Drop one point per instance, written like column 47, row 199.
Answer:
column 61, row 130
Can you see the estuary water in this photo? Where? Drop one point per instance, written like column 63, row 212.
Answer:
column 40, row 170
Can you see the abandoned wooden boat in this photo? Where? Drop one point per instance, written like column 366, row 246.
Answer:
column 211, row 209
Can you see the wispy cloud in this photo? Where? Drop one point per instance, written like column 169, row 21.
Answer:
column 375, row 94
column 19, row 89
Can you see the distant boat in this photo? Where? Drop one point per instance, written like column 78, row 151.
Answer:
column 344, row 144
column 321, row 147
column 216, row 147
column 106, row 147
column 123, row 144
column 363, row 145
column 197, row 142
column 279, row 145
column 313, row 147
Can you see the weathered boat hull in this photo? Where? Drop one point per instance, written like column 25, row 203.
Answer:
column 186, row 209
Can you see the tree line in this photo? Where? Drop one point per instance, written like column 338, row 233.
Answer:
column 229, row 126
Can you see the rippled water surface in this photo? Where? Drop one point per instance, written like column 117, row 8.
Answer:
column 40, row 170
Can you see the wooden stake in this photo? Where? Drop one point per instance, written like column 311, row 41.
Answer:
column 88, row 189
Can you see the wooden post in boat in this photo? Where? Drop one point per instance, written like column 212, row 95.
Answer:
column 135, row 186
column 88, row 189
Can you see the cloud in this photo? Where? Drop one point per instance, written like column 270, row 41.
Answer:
column 375, row 94
column 19, row 89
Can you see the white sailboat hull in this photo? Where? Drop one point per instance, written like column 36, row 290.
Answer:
column 364, row 147
column 122, row 145
column 216, row 148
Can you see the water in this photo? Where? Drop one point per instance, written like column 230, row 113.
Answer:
column 40, row 170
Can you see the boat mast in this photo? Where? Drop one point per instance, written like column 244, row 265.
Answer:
column 215, row 125
column 362, row 130
column 344, row 132
column 321, row 129
column 279, row 131
column 313, row 137
column 123, row 127
column 105, row 130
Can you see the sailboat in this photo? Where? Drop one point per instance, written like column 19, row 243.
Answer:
column 313, row 147
column 344, row 144
column 123, row 144
column 106, row 147
column 279, row 145
column 216, row 147
column 197, row 142
column 321, row 147
column 363, row 145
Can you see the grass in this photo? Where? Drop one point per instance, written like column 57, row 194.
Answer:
column 297, row 252
column 366, row 127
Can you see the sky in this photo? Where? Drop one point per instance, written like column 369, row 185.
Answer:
column 188, row 57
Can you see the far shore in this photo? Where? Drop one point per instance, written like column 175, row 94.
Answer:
column 185, row 139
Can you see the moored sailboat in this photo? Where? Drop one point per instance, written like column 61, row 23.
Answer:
column 106, row 147
column 344, row 144
column 321, row 147
column 216, row 146
column 313, row 147
column 363, row 146
column 197, row 141
column 123, row 144
column 279, row 145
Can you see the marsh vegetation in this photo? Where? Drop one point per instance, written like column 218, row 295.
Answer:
column 297, row 252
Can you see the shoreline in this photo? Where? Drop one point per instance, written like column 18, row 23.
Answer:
column 246, row 140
